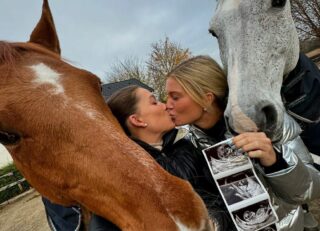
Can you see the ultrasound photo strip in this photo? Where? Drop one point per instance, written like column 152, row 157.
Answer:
column 243, row 193
column 239, row 187
column 223, row 160
column 255, row 217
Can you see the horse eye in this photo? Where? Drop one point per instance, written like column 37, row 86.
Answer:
column 279, row 3
column 211, row 31
column 7, row 138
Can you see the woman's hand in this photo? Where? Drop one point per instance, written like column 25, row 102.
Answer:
column 257, row 145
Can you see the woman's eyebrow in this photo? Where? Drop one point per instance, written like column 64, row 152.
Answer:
column 174, row 93
column 152, row 97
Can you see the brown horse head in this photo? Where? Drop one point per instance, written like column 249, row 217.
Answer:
column 65, row 141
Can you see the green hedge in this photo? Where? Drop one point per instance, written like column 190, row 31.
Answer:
column 4, row 181
column 7, row 169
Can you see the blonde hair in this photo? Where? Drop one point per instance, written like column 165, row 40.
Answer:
column 200, row 75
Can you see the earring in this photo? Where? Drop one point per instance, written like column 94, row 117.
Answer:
column 205, row 109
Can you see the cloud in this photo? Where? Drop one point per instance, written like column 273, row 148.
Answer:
column 94, row 34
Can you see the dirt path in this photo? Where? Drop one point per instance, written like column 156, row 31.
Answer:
column 24, row 214
column 27, row 214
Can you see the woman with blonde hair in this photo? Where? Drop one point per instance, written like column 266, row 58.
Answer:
column 197, row 89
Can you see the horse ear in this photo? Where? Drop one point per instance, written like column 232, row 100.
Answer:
column 45, row 32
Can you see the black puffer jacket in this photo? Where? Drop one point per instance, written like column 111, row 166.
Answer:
column 179, row 157
column 301, row 96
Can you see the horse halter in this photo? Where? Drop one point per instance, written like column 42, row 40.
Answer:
column 279, row 3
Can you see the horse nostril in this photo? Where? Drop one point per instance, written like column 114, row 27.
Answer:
column 270, row 114
column 229, row 126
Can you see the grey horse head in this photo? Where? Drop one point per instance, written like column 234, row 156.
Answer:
column 258, row 46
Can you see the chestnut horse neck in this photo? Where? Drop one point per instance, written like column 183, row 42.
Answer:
column 68, row 145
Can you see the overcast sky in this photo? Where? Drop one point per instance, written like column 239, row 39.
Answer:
column 96, row 34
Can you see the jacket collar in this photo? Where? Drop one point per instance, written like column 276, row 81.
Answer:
column 168, row 140
column 299, row 91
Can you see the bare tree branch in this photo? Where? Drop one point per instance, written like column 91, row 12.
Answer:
column 164, row 56
column 130, row 68
column 306, row 14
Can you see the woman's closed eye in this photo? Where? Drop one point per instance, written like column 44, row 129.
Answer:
column 175, row 97
column 153, row 100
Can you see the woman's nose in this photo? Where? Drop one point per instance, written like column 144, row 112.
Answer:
column 169, row 104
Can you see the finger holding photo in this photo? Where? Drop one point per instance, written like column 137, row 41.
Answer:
column 257, row 145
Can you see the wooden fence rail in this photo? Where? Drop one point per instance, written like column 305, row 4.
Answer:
column 8, row 174
column 12, row 184
column 18, row 182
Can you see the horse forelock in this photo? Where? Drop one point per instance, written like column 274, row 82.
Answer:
column 8, row 54
column 12, row 53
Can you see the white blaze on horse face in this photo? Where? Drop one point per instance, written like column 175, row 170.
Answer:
column 45, row 75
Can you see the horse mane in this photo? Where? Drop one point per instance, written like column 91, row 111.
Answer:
column 11, row 53
column 8, row 54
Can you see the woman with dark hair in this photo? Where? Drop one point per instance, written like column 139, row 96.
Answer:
column 147, row 122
